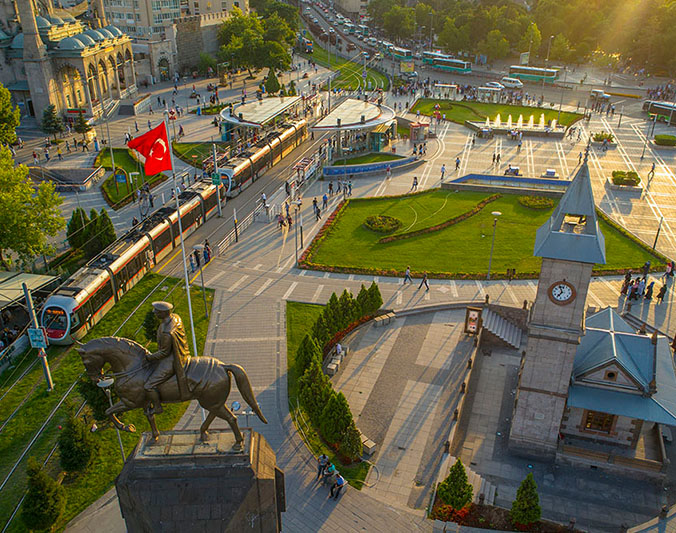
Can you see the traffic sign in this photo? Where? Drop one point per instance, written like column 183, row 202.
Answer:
column 121, row 178
column 236, row 406
column 37, row 337
column 215, row 178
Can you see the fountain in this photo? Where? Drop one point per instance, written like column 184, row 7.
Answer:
column 509, row 122
column 542, row 121
column 531, row 122
column 497, row 121
column 488, row 122
column 519, row 122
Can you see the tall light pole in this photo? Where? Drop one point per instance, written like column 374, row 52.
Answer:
column 199, row 248
column 496, row 214
column 549, row 49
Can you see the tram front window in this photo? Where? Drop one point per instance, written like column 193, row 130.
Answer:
column 55, row 321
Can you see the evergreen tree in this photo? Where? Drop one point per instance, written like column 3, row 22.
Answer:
column 335, row 418
column 314, row 390
column 76, row 445
column 292, row 88
column 150, row 325
column 350, row 443
column 454, row 490
column 272, row 83
column 332, row 317
column 44, row 501
column 106, row 229
column 308, row 351
column 95, row 397
column 10, row 116
column 320, row 332
column 375, row 299
column 92, row 243
column 526, row 507
column 76, row 229
column 362, row 300
column 282, row 91
column 81, row 125
column 51, row 122
column 348, row 309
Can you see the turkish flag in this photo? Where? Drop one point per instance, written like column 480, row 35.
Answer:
column 154, row 146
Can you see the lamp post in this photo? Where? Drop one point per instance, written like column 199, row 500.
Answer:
column 199, row 248
column 496, row 214
column 296, row 211
column 105, row 384
column 549, row 49
column 431, row 20
column 645, row 142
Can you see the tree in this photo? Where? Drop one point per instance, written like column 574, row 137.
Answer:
column 51, row 122
column 495, row 46
column 77, row 228
column 335, row 418
column 272, row 83
column 81, row 125
column 28, row 215
column 453, row 39
column 560, row 48
column 532, row 39
column 375, row 298
column 206, row 61
column 320, row 331
column 96, row 398
column 105, row 228
column 348, row 309
column 76, row 445
column 332, row 316
column 45, row 501
column 350, row 444
column 399, row 22
column 377, row 9
column 526, row 507
column 92, row 244
column 150, row 325
column 277, row 30
column 10, row 117
column 307, row 352
column 363, row 301
column 455, row 490
column 291, row 91
column 314, row 390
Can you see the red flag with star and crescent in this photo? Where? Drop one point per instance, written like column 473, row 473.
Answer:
column 154, row 146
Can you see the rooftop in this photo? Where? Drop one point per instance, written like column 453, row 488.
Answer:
column 355, row 115
column 259, row 112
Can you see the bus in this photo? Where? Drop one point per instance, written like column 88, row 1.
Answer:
column 452, row 65
column 533, row 73
column 429, row 57
column 662, row 111
column 401, row 54
column 364, row 30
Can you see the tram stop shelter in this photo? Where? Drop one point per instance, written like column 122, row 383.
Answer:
column 240, row 119
column 445, row 91
column 359, row 126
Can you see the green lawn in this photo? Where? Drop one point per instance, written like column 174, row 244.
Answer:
column 459, row 112
column 186, row 151
column 66, row 366
column 120, row 194
column 350, row 71
column 299, row 319
column 459, row 250
column 377, row 157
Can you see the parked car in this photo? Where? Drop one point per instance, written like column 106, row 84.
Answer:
column 511, row 83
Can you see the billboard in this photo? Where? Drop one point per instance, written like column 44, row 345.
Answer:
column 406, row 66
column 524, row 58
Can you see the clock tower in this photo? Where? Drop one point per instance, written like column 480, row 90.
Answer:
column 570, row 243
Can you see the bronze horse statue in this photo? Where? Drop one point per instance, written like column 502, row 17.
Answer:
column 208, row 381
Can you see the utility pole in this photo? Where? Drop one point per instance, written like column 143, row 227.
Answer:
column 38, row 336
column 218, row 187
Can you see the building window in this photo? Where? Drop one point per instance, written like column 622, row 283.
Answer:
column 68, row 104
column 611, row 375
column 596, row 421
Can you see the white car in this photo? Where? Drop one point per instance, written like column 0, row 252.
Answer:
column 494, row 85
column 512, row 83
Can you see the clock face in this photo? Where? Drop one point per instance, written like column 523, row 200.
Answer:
column 561, row 293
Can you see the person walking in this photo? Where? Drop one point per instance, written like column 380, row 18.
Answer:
column 414, row 187
column 314, row 205
column 325, row 201
column 424, row 282
column 337, row 486
column 457, row 163
column 651, row 174
column 497, row 159
column 579, row 158
column 443, row 171
column 318, row 213
column 646, row 269
column 58, row 153
column 649, row 291
column 388, row 172
column 407, row 276
column 322, row 461
column 494, row 158
column 662, row 293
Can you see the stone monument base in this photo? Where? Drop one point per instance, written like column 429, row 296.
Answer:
column 181, row 485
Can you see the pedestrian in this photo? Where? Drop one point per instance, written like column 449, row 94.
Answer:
column 649, row 291
column 494, row 158
column 149, row 125
column 206, row 254
column 337, row 486
column 424, row 282
column 330, row 188
column 322, row 461
column 579, row 158
column 192, row 263
column 47, row 154
column 497, row 159
column 136, row 126
column 197, row 258
column 350, row 187
column 388, row 172
column 58, row 153
column 443, row 171
column 457, row 163
column 325, row 201
column 641, row 288
column 414, row 187
column 667, row 272
column 318, row 213
column 314, row 205
column 652, row 171
column 646, row 268
column 662, row 292
column 407, row 275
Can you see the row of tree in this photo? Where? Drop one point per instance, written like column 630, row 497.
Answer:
column 641, row 33
column 328, row 410
column 52, row 123
column 91, row 234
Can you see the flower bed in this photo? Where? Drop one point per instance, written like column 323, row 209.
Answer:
column 536, row 202
column 630, row 178
column 382, row 223
column 599, row 137
column 443, row 225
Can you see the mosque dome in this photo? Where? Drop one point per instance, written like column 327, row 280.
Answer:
column 85, row 39
column 114, row 30
column 106, row 33
column 55, row 20
column 42, row 22
column 70, row 43
column 94, row 34
column 17, row 42
column 69, row 18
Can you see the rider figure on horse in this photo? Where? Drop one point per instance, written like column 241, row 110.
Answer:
column 171, row 357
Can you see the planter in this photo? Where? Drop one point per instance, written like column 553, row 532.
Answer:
column 599, row 144
column 653, row 145
column 631, row 188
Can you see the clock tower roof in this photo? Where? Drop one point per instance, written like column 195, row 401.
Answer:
column 572, row 232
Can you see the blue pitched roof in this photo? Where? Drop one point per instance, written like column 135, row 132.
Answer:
column 583, row 243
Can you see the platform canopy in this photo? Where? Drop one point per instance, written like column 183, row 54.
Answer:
column 11, row 290
column 349, row 114
column 259, row 112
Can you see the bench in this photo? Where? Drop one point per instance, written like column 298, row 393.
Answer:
column 368, row 446
column 383, row 320
column 334, row 360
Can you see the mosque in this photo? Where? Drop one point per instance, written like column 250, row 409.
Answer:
column 52, row 59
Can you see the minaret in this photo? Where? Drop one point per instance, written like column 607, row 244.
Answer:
column 38, row 67
column 99, row 14
column 570, row 243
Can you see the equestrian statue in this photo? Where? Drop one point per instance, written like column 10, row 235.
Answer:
column 169, row 375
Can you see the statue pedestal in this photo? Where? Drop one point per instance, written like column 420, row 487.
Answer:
column 179, row 484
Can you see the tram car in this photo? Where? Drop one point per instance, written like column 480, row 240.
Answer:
column 80, row 303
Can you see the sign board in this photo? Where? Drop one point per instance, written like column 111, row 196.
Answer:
column 472, row 320
column 406, row 66
column 37, row 337
column 363, row 73
column 215, row 178
column 524, row 58
column 235, row 406
column 120, row 178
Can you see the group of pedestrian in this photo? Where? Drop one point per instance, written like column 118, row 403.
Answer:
column 327, row 474
column 409, row 279
column 642, row 287
column 195, row 259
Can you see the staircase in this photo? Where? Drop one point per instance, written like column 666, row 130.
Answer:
column 501, row 328
column 479, row 485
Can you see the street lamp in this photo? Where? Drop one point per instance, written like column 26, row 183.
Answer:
column 297, row 204
column 199, row 248
column 105, row 384
column 496, row 214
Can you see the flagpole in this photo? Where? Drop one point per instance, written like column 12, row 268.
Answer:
column 180, row 232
